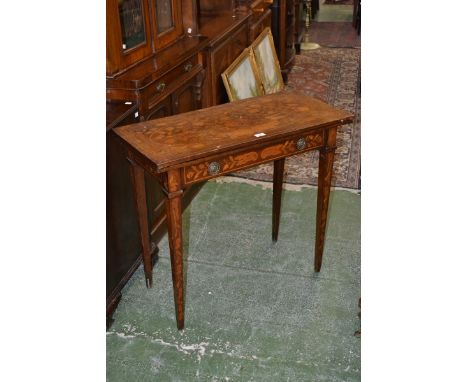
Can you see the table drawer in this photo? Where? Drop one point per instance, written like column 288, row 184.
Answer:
column 244, row 159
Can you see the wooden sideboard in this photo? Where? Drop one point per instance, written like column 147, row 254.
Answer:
column 228, row 36
column 163, row 58
column 229, row 32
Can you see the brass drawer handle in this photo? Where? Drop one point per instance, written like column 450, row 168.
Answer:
column 301, row 144
column 188, row 66
column 213, row 168
column 161, row 87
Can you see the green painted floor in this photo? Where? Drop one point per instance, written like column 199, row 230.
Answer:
column 255, row 311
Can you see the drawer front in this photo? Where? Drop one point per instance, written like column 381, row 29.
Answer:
column 167, row 83
column 244, row 159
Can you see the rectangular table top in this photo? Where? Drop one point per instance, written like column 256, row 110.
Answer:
column 168, row 142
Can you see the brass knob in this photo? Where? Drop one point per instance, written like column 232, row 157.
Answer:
column 188, row 66
column 213, row 168
column 301, row 144
column 161, row 87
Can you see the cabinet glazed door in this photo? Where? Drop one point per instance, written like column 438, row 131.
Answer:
column 167, row 21
column 128, row 33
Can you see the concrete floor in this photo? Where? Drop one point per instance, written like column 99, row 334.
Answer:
column 255, row 311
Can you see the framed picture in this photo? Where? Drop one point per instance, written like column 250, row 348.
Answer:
column 241, row 78
column 263, row 49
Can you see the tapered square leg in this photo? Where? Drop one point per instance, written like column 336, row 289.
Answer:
column 138, row 180
column 278, row 172
column 323, row 195
column 174, row 226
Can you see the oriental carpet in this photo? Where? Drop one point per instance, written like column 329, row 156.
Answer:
column 332, row 75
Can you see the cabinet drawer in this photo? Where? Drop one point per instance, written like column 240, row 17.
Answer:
column 223, row 165
column 168, row 82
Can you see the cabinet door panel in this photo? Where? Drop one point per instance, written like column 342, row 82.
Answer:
column 164, row 16
column 262, row 22
column 162, row 109
column 239, row 42
column 123, row 244
column 185, row 99
column 128, row 33
column 221, row 58
column 219, row 62
column 167, row 21
column 132, row 23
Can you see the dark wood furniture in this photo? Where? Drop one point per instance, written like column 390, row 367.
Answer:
column 357, row 16
column 158, row 57
column 261, row 17
column 122, row 242
column 283, row 28
column 229, row 30
column 157, row 66
column 228, row 37
column 163, row 58
column 186, row 149
column 315, row 7
column 299, row 12
column 123, row 245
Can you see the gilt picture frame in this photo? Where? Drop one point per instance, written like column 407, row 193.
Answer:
column 266, row 59
column 241, row 79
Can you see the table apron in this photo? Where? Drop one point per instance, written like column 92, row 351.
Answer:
column 225, row 163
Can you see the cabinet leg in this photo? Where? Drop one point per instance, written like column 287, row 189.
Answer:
column 174, row 225
column 138, row 180
column 323, row 195
column 278, row 172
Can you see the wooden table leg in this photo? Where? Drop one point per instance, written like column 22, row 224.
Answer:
column 323, row 194
column 138, row 180
column 278, row 172
column 174, row 226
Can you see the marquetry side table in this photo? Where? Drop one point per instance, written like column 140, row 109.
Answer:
column 188, row 148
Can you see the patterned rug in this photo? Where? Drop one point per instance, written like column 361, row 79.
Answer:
column 333, row 75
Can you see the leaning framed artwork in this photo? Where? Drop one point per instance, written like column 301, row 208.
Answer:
column 241, row 78
column 263, row 50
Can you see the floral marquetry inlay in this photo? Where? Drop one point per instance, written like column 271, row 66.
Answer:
column 234, row 162
column 191, row 147
column 226, row 133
